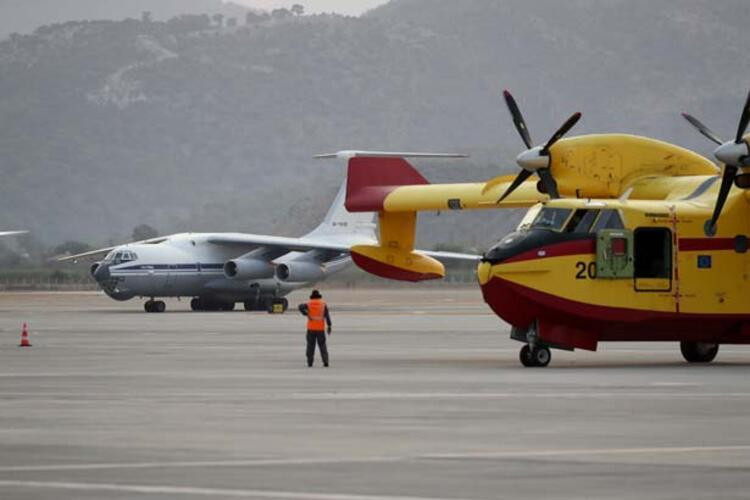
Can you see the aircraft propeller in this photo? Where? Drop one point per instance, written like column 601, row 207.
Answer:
column 734, row 154
column 535, row 159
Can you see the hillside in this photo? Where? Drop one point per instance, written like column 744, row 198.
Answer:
column 24, row 16
column 185, row 125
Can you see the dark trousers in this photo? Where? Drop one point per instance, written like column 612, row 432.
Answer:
column 320, row 338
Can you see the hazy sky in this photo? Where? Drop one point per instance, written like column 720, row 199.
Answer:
column 351, row 7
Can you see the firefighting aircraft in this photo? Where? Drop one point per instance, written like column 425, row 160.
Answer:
column 219, row 269
column 627, row 239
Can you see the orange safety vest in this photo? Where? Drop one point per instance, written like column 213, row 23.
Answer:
column 316, row 309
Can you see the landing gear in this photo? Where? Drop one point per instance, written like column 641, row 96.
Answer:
column 539, row 356
column 155, row 306
column 196, row 304
column 699, row 352
column 277, row 306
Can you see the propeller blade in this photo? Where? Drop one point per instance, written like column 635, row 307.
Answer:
column 518, row 120
column 744, row 119
column 548, row 182
column 520, row 179
column 561, row 132
column 703, row 129
column 726, row 184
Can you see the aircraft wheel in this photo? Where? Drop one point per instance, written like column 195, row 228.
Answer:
column 227, row 306
column 699, row 352
column 250, row 306
column 196, row 304
column 525, row 356
column 159, row 306
column 285, row 302
column 540, row 356
column 149, row 306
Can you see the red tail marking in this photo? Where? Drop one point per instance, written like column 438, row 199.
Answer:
column 370, row 180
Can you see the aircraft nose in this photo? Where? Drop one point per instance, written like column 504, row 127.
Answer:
column 101, row 273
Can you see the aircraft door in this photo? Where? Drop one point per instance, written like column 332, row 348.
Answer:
column 653, row 259
column 614, row 254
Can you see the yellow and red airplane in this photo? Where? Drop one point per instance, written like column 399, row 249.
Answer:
column 623, row 240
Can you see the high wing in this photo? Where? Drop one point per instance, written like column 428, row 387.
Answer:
column 11, row 233
column 106, row 250
column 282, row 245
column 393, row 188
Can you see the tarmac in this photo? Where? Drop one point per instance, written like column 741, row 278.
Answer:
column 425, row 399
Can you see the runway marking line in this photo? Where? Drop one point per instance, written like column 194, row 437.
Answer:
column 210, row 492
column 664, row 450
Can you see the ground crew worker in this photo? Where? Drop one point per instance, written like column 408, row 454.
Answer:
column 317, row 314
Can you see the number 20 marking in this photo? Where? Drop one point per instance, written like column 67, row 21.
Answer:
column 586, row 271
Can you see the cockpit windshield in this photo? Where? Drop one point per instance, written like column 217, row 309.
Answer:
column 551, row 218
column 120, row 256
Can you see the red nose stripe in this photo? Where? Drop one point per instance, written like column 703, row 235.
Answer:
column 578, row 247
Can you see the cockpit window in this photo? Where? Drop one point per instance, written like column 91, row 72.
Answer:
column 551, row 218
column 120, row 256
column 581, row 221
column 609, row 219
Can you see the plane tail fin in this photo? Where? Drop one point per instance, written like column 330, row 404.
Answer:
column 338, row 221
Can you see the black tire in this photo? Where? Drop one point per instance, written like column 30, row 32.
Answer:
column 269, row 306
column 227, row 306
column 196, row 304
column 285, row 303
column 699, row 352
column 250, row 306
column 149, row 306
column 159, row 306
column 525, row 356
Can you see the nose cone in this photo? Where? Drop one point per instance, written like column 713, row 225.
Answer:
column 731, row 153
column 101, row 274
column 532, row 159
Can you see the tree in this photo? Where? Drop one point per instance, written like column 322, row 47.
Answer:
column 253, row 17
column 218, row 19
column 298, row 9
column 144, row 232
column 280, row 13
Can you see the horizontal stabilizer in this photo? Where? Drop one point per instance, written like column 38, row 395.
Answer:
column 349, row 154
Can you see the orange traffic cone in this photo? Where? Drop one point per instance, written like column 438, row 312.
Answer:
column 24, row 337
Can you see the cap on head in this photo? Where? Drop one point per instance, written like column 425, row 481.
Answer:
column 316, row 295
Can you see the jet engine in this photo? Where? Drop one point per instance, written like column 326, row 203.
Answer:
column 93, row 268
column 245, row 269
column 300, row 271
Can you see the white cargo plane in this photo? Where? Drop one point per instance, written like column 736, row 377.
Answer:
column 218, row 270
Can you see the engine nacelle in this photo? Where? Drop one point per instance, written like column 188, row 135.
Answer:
column 93, row 268
column 298, row 272
column 246, row 269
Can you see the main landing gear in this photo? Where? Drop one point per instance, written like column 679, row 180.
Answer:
column 538, row 355
column 155, row 306
column 198, row 304
column 699, row 352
